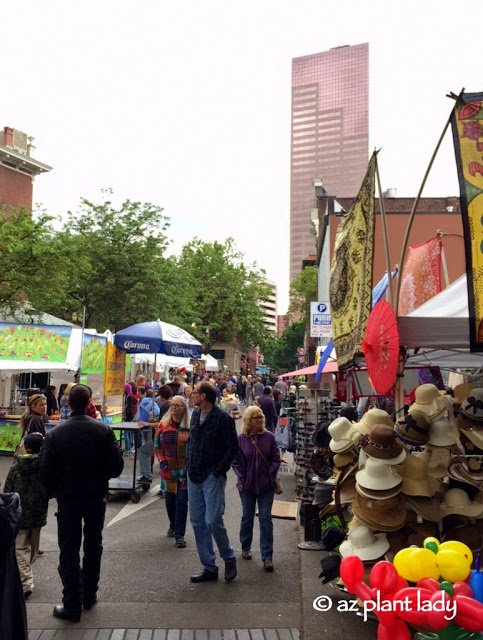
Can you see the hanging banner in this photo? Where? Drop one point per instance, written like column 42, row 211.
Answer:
column 93, row 354
column 34, row 342
column 115, row 371
column 381, row 287
column 421, row 276
column 350, row 287
column 467, row 123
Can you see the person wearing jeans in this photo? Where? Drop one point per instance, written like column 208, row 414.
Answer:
column 147, row 408
column 212, row 447
column 256, row 467
column 170, row 449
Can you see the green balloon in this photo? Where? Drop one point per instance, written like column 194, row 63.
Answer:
column 447, row 586
column 432, row 546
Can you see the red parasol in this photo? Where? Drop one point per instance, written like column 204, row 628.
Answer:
column 381, row 347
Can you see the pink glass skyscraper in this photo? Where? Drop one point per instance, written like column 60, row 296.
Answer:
column 330, row 135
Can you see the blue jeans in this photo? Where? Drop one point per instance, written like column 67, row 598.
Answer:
column 145, row 453
column 249, row 502
column 177, row 508
column 207, row 506
column 128, row 441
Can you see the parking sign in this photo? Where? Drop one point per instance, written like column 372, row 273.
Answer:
column 320, row 322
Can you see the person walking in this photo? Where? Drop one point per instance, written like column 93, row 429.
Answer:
column 257, row 389
column 24, row 479
column 212, row 447
column 170, row 442
column 267, row 404
column 129, row 413
column 280, row 384
column 147, row 408
column 79, row 457
column 256, row 467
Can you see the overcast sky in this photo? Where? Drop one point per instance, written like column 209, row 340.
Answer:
column 187, row 104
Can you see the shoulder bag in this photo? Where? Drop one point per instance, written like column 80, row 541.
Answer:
column 278, row 482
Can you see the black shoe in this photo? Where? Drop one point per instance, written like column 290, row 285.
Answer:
column 27, row 593
column 230, row 570
column 144, row 480
column 88, row 604
column 180, row 543
column 72, row 616
column 170, row 533
column 204, row 576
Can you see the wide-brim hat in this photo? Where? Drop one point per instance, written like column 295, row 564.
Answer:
column 323, row 494
column 461, row 392
column 380, row 515
column 459, row 470
column 442, row 433
column 377, row 475
column 428, row 400
column 372, row 417
column 472, row 408
column 382, row 444
column 427, row 508
column 379, row 495
column 416, row 481
column 471, row 429
column 413, row 429
column 364, row 544
column 339, row 430
column 457, row 501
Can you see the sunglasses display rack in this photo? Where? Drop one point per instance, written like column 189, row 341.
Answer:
column 306, row 413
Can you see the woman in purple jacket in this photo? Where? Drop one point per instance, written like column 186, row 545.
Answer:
column 256, row 466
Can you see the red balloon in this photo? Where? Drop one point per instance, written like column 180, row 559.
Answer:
column 351, row 572
column 412, row 613
column 384, row 577
column 469, row 614
column 401, row 583
column 363, row 591
column 462, row 589
column 437, row 616
column 429, row 583
column 398, row 631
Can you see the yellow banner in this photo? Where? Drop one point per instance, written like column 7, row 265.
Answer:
column 350, row 287
column 115, row 371
column 467, row 122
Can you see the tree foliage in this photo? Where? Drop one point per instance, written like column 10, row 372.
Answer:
column 283, row 355
column 303, row 291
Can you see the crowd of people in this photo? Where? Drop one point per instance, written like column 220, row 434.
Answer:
column 188, row 426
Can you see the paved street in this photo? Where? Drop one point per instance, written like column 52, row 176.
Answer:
column 145, row 592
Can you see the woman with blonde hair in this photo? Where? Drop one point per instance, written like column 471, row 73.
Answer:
column 32, row 421
column 190, row 399
column 256, row 467
column 170, row 442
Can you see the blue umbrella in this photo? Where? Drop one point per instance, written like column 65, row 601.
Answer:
column 158, row 337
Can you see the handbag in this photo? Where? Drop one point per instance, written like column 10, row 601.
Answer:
column 278, row 482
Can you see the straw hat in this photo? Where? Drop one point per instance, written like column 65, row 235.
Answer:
column 372, row 417
column 461, row 392
column 427, row 508
column 416, row 481
column 340, row 433
column 364, row 544
column 382, row 444
column 413, row 429
column 441, row 433
column 380, row 515
column 472, row 409
column 427, row 396
column 471, row 429
column 379, row 495
column 467, row 471
column 378, row 476
column 457, row 501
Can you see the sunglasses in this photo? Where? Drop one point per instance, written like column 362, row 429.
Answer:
column 38, row 396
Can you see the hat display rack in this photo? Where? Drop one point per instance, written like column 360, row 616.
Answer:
column 406, row 481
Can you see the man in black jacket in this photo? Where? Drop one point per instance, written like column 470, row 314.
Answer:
column 79, row 457
column 212, row 447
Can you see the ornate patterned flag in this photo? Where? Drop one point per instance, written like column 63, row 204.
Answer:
column 467, row 122
column 350, row 287
column 421, row 276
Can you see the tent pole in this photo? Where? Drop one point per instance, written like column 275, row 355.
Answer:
column 385, row 237
column 413, row 212
column 445, row 267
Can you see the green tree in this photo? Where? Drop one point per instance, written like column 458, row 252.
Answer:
column 220, row 294
column 28, row 259
column 303, row 291
column 283, row 355
column 112, row 263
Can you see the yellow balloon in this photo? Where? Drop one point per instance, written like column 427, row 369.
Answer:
column 400, row 562
column 459, row 547
column 452, row 565
column 433, row 540
column 422, row 564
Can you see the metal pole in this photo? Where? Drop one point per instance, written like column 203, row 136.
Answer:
column 82, row 339
column 385, row 236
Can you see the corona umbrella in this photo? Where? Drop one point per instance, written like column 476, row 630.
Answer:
column 158, row 337
column 381, row 347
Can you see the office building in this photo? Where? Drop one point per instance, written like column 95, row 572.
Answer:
column 329, row 137
column 269, row 307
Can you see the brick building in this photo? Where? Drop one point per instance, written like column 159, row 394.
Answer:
column 18, row 168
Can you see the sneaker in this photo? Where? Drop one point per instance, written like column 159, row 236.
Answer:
column 40, row 553
column 144, row 480
column 170, row 533
column 27, row 593
column 247, row 555
column 230, row 570
column 180, row 543
column 268, row 566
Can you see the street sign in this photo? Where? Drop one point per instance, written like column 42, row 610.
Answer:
column 320, row 322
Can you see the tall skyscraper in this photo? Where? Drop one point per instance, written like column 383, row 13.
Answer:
column 330, row 135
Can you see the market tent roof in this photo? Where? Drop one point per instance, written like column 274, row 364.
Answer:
column 330, row 367
column 438, row 330
column 211, row 363
column 26, row 315
column 163, row 361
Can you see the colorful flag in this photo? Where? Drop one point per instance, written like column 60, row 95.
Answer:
column 421, row 276
column 350, row 286
column 467, row 123
column 381, row 287
column 323, row 360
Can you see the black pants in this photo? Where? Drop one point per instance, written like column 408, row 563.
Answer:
column 80, row 585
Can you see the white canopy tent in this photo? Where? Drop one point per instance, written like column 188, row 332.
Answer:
column 163, row 362
column 437, row 332
column 211, row 363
